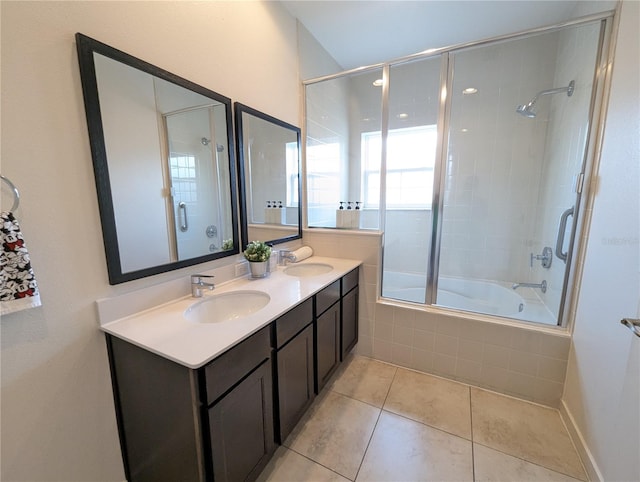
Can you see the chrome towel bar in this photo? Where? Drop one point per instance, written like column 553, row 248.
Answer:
column 16, row 193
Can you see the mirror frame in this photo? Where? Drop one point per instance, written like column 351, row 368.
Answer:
column 86, row 47
column 239, row 109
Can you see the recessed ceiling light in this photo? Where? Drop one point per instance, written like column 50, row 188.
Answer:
column 470, row 90
column 464, row 130
column 404, row 115
column 378, row 82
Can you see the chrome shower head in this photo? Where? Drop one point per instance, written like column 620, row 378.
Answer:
column 526, row 109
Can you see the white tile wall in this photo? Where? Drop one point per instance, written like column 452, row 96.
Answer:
column 524, row 361
column 564, row 148
column 510, row 192
column 407, row 240
column 494, row 167
column 364, row 246
column 514, row 360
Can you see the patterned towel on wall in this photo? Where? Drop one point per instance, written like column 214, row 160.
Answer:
column 18, row 287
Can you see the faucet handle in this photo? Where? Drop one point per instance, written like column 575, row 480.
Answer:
column 196, row 277
column 546, row 257
column 197, row 284
column 282, row 256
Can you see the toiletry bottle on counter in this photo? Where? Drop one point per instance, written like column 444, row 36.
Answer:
column 272, row 264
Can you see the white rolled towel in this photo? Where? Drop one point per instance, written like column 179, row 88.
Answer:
column 301, row 253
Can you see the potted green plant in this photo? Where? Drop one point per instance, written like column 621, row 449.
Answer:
column 258, row 254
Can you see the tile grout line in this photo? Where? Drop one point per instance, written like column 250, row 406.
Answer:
column 432, row 427
column 375, row 426
column 537, row 464
column 471, row 404
column 317, row 463
column 506, row 453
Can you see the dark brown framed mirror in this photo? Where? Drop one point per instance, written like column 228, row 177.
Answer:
column 269, row 166
column 163, row 158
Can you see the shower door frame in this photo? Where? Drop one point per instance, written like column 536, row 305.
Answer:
column 170, row 201
column 593, row 141
column 603, row 59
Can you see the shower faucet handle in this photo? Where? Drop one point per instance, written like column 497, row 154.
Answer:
column 546, row 257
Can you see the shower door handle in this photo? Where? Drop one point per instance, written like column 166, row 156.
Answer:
column 562, row 228
column 184, row 224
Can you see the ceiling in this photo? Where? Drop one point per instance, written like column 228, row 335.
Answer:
column 366, row 32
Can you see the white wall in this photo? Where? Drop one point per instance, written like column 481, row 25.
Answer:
column 602, row 390
column 129, row 114
column 58, row 421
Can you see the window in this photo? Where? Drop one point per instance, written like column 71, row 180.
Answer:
column 411, row 154
column 291, row 154
column 323, row 174
column 183, row 176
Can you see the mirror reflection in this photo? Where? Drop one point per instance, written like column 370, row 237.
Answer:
column 163, row 166
column 269, row 160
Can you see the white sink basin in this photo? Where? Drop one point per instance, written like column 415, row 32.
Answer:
column 308, row 269
column 226, row 306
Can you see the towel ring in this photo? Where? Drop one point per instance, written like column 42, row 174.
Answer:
column 16, row 193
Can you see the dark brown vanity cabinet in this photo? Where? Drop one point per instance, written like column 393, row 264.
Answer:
column 241, row 428
column 294, row 375
column 239, row 394
column 213, row 423
column 336, row 311
column 159, row 415
column 349, row 322
column 327, row 312
column 220, row 422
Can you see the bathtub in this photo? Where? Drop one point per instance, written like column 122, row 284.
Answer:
column 479, row 296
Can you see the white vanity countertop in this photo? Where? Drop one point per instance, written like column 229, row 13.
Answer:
column 165, row 331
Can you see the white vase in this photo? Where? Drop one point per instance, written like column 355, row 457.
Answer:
column 258, row 269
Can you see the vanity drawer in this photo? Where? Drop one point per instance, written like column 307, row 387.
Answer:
column 292, row 322
column 349, row 281
column 327, row 297
column 234, row 364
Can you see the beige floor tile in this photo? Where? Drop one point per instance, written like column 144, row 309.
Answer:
column 404, row 450
column 437, row 402
column 335, row 432
column 289, row 466
column 524, row 430
column 493, row 466
column 364, row 379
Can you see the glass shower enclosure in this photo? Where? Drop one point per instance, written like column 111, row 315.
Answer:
column 196, row 178
column 483, row 155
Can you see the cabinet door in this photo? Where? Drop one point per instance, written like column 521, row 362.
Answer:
column 241, row 428
column 349, row 322
column 327, row 344
column 295, row 380
column 158, row 419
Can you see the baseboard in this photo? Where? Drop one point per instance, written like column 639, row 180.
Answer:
column 588, row 461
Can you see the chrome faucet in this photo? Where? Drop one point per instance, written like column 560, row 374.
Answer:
column 197, row 284
column 542, row 286
column 283, row 256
